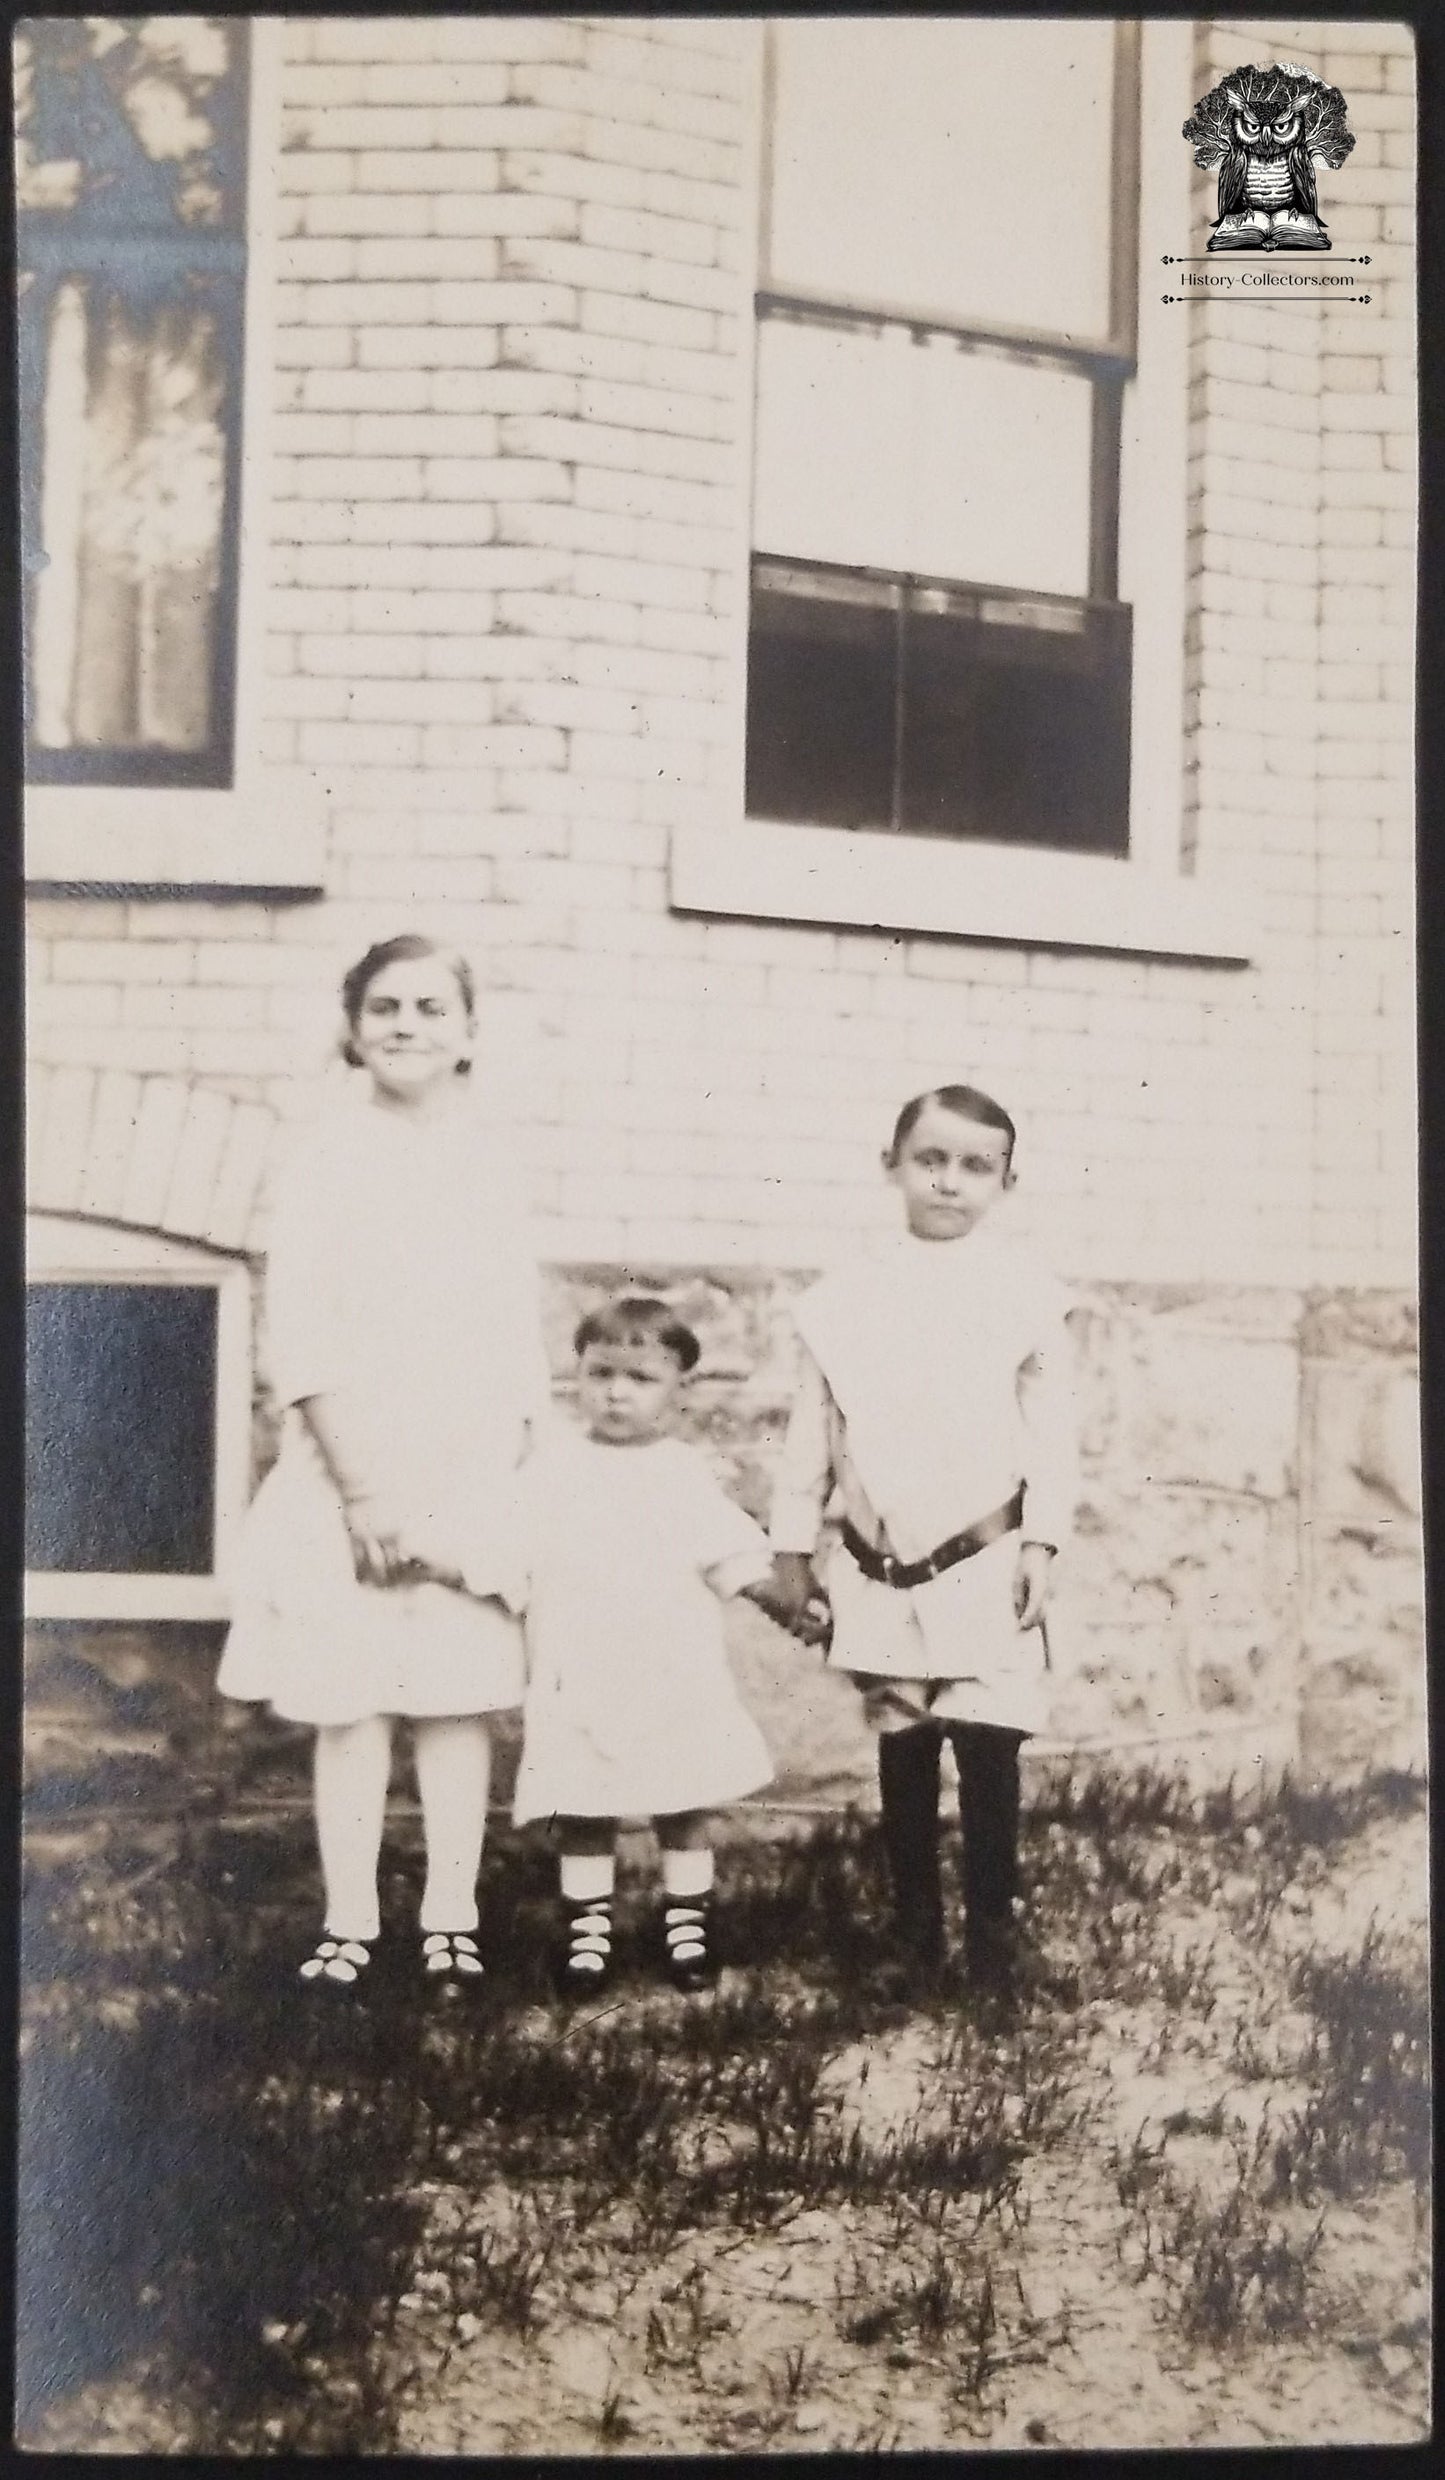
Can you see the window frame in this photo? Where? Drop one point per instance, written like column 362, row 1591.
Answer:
column 72, row 1249
column 1152, row 902
column 266, row 830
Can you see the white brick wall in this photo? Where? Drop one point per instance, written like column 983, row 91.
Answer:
column 509, row 437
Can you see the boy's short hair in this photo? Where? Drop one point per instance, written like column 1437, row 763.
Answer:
column 965, row 1101
column 639, row 1318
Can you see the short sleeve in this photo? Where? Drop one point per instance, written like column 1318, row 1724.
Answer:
column 724, row 1543
column 304, row 1350
column 1049, row 1408
column 513, row 1263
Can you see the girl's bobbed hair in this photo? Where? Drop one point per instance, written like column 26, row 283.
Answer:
column 965, row 1101
column 639, row 1319
column 408, row 948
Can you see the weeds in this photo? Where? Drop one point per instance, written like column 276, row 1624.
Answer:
column 613, row 2424
column 374, row 2162
column 1368, row 2117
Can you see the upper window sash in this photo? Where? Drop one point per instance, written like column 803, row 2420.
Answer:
column 1107, row 361
column 1108, row 348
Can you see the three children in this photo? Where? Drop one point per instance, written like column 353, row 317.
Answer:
column 424, row 1500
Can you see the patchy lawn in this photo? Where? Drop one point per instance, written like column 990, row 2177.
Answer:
column 1180, row 2200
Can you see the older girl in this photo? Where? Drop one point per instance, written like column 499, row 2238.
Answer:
column 404, row 1349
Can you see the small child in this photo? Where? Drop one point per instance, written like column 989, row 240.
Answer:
column 933, row 1428
column 629, row 1545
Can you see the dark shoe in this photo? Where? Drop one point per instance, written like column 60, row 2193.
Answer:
column 586, row 1962
column 685, row 1948
column 449, row 1959
column 909, row 1978
column 992, row 1959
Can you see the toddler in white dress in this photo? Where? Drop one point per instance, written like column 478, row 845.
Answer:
column 629, row 1546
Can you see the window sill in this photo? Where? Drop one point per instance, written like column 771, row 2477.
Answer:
column 920, row 884
column 270, row 834
column 96, row 1597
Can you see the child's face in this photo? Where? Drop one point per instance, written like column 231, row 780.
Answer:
column 950, row 1172
column 412, row 1028
column 627, row 1391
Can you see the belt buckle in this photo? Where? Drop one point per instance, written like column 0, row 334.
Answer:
column 889, row 1562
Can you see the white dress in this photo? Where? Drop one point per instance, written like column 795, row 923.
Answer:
column 631, row 1709
column 935, row 1381
column 400, row 1282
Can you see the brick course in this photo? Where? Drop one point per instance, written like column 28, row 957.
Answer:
column 505, row 510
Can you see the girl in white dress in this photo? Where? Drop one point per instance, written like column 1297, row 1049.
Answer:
column 404, row 1347
column 629, row 1546
column 929, row 1467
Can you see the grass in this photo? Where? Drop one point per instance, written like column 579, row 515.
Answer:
column 254, row 2204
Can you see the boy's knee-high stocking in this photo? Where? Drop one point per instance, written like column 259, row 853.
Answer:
column 908, row 1788
column 988, row 1792
column 453, row 1771
column 353, row 1763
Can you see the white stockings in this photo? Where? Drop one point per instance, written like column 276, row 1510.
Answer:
column 353, row 1768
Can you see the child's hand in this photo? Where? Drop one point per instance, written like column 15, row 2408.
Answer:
column 375, row 1529
column 1033, row 1582
column 794, row 1597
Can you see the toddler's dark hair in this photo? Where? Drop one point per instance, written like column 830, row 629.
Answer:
column 409, row 948
column 639, row 1319
column 965, row 1101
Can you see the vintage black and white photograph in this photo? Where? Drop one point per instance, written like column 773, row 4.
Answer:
column 725, row 1731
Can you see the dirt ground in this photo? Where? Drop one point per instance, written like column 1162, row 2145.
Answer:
column 1140, row 2256
column 754, row 2342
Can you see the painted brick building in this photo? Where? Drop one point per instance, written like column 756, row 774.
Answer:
column 606, row 519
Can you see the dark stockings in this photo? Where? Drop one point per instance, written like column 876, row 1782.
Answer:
column 988, row 1778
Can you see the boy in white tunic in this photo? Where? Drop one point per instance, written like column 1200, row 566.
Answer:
column 929, row 1468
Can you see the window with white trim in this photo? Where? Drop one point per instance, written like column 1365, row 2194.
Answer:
column 146, row 170
column 937, row 643
column 137, row 1423
column 967, row 576
column 131, row 234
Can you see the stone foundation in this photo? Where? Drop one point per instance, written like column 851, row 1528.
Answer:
column 1245, row 1590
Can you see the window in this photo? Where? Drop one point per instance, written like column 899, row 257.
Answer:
column 147, row 152
column 137, row 1423
column 941, row 362
column 131, row 181
column 965, row 592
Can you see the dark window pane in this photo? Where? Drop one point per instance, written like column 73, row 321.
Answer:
column 120, row 1411
column 1016, row 722
column 822, row 673
column 941, row 710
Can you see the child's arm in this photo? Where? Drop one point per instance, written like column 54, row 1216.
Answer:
column 375, row 1527
column 794, row 1602
column 801, row 1490
column 1051, row 1481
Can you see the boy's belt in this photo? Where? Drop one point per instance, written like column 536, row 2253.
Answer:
column 884, row 1568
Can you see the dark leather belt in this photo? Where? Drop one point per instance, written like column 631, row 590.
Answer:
column 884, row 1568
